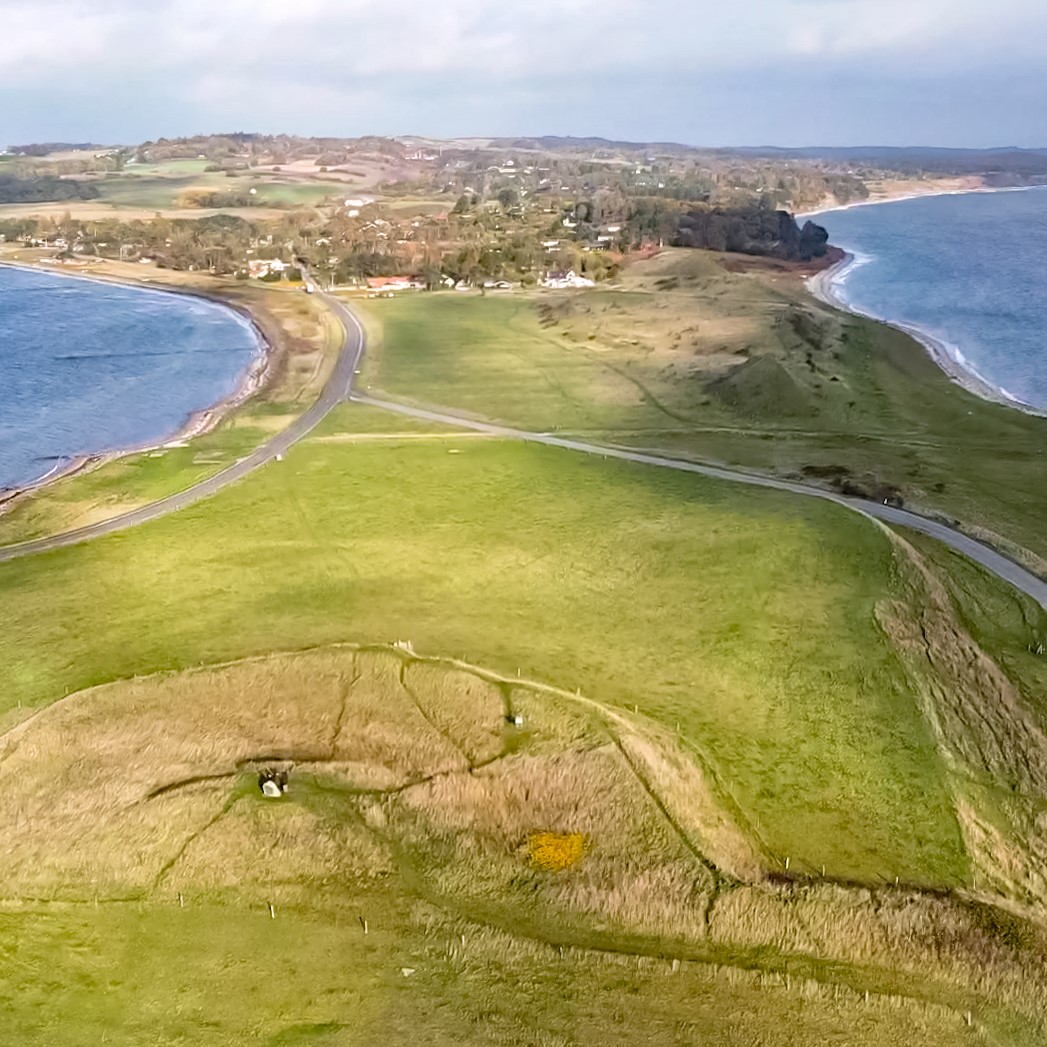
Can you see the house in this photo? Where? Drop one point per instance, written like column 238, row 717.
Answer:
column 394, row 283
column 259, row 267
column 561, row 281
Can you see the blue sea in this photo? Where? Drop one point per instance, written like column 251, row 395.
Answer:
column 968, row 269
column 87, row 367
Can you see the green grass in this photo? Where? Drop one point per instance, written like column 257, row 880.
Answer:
column 127, row 482
column 732, row 368
column 160, row 185
column 742, row 616
column 491, row 357
column 293, row 194
column 215, row 975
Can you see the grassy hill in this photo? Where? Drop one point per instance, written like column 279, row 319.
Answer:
column 742, row 367
column 781, row 773
column 723, row 697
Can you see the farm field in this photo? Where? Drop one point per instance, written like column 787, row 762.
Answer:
column 161, row 186
column 743, row 368
column 140, row 191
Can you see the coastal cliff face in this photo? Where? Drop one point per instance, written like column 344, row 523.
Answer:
column 752, row 230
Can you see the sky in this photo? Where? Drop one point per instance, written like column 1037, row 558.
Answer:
column 702, row 72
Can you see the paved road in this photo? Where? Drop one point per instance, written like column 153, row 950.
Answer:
column 337, row 390
column 339, row 387
column 991, row 560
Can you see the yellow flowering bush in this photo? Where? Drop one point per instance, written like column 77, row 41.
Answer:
column 555, row 851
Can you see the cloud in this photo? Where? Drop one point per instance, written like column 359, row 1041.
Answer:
column 353, row 65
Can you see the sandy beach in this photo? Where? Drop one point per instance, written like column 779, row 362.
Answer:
column 196, row 424
column 915, row 194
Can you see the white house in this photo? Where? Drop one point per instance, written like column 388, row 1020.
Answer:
column 560, row 281
column 259, row 267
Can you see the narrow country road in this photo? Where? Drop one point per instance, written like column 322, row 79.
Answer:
column 994, row 562
column 339, row 388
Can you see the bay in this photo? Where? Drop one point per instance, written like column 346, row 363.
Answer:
column 89, row 367
column 969, row 270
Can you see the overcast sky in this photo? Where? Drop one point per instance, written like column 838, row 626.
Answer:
column 706, row 72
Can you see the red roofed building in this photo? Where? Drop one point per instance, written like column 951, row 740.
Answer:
column 394, row 283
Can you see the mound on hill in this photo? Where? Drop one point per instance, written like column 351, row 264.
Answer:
column 531, row 816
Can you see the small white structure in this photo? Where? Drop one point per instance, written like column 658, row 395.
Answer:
column 259, row 267
column 564, row 281
column 272, row 783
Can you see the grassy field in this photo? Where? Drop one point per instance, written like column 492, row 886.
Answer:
column 440, row 857
column 568, row 587
column 779, row 769
column 737, row 367
column 160, row 186
column 140, row 191
column 432, row 837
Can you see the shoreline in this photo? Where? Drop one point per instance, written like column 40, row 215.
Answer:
column 203, row 420
column 903, row 197
column 824, row 286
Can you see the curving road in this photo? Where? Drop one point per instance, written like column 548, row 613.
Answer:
column 339, row 388
column 990, row 559
column 335, row 391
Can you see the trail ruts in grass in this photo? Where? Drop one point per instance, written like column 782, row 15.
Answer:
column 458, row 842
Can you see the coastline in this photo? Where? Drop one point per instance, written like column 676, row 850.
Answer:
column 898, row 198
column 824, row 286
column 253, row 379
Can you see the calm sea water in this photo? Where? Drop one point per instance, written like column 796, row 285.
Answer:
column 88, row 367
column 970, row 270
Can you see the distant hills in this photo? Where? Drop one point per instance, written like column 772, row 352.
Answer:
column 1005, row 160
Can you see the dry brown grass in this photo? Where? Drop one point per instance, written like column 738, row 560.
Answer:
column 108, row 813
column 992, row 740
column 586, row 825
column 461, row 705
column 258, row 847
